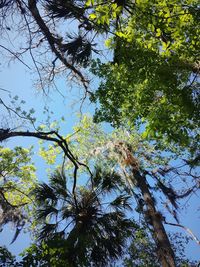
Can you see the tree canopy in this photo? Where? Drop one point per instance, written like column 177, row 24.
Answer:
column 153, row 80
column 109, row 193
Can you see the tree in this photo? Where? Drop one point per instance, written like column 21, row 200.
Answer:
column 17, row 180
column 140, row 252
column 41, row 32
column 91, row 223
column 127, row 154
column 157, row 46
column 152, row 81
column 159, row 88
column 151, row 85
column 118, row 151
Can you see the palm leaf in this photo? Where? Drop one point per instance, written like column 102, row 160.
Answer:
column 45, row 211
column 89, row 231
column 43, row 192
column 79, row 49
column 47, row 231
column 121, row 202
column 58, row 183
column 64, row 9
column 107, row 180
column 19, row 227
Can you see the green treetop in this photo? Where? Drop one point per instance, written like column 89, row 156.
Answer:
column 152, row 80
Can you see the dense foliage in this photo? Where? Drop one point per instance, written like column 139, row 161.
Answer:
column 153, row 79
column 108, row 194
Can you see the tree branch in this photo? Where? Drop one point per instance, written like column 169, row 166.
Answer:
column 53, row 41
column 15, row 55
column 52, row 136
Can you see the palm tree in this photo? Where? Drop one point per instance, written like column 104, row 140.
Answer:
column 91, row 223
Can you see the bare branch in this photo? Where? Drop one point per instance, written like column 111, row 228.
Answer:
column 15, row 55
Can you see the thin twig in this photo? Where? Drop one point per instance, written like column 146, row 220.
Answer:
column 15, row 55
column 16, row 113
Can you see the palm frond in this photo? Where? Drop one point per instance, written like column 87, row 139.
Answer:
column 67, row 212
column 107, row 180
column 43, row 192
column 47, row 231
column 58, row 183
column 121, row 202
column 84, row 55
column 79, row 49
column 18, row 230
column 64, row 9
column 45, row 211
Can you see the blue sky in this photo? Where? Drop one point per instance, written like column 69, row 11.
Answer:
column 17, row 79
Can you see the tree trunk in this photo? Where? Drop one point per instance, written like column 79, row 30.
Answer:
column 164, row 250
column 127, row 160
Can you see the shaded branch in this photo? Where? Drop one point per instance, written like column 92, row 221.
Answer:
column 52, row 136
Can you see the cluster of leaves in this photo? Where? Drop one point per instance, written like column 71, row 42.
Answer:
column 90, row 142
column 17, row 174
column 17, row 180
column 153, row 79
column 16, row 113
